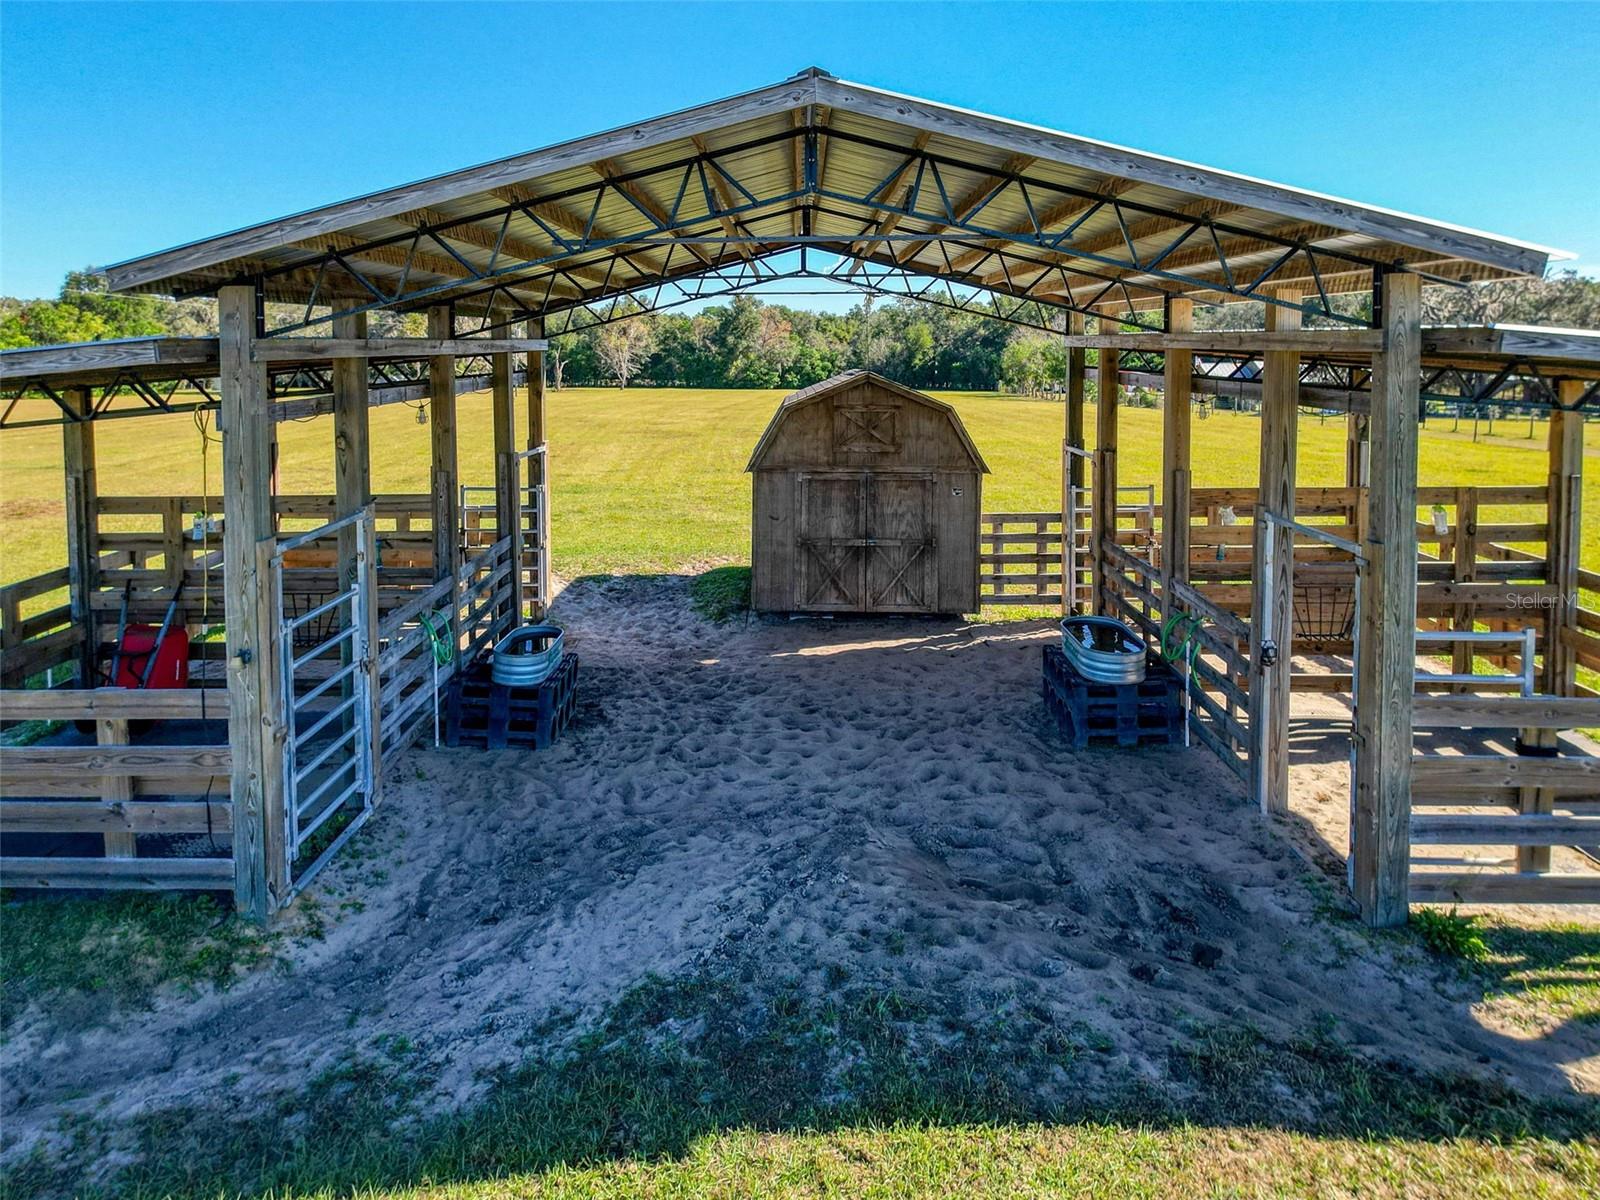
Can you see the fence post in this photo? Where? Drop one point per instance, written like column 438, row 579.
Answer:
column 1380, row 835
column 1565, row 536
column 255, row 728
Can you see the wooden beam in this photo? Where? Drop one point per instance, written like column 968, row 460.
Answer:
column 1104, row 518
column 83, row 557
column 1072, row 464
column 442, row 426
column 507, row 478
column 538, row 467
column 1272, row 607
column 293, row 349
column 1566, row 536
column 352, row 491
column 1278, row 335
column 1380, row 854
column 1177, row 390
column 255, row 728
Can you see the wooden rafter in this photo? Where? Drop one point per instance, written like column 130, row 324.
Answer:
column 886, row 222
column 608, row 170
column 719, row 187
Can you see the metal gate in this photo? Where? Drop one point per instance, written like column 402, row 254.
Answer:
column 1134, row 500
column 325, row 646
column 480, row 524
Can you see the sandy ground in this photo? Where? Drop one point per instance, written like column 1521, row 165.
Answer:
column 886, row 795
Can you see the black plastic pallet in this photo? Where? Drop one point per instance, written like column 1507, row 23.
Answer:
column 491, row 716
column 1131, row 713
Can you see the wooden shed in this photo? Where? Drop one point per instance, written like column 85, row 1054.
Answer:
column 866, row 499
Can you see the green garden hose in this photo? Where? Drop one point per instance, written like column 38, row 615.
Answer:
column 437, row 626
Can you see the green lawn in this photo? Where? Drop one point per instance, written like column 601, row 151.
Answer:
column 652, row 479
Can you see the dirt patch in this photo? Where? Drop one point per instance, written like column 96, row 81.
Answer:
column 882, row 801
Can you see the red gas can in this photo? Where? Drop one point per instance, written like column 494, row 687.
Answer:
column 172, row 659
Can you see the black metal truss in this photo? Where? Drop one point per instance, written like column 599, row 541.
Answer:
column 697, row 218
column 1518, row 385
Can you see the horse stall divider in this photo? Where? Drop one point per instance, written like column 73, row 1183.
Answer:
column 118, row 792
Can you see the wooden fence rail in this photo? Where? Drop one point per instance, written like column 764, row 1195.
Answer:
column 1512, row 800
column 117, row 790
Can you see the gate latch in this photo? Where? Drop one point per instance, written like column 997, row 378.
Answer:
column 1269, row 654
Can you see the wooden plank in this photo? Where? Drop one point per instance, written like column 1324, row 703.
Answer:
column 1274, row 338
column 1525, row 831
column 157, row 784
column 255, row 727
column 136, row 874
column 1566, row 775
column 1505, row 712
column 1384, row 668
column 1271, row 606
column 1502, row 887
column 129, row 816
column 26, row 764
column 359, row 347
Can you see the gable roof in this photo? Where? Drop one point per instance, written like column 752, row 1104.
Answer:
column 843, row 167
column 848, row 379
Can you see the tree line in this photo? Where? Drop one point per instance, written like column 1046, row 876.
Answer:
column 747, row 343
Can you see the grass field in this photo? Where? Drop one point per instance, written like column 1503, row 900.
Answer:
column 651, row 480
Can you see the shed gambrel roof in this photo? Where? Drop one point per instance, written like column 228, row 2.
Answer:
column 892, row 183
column 849, row 379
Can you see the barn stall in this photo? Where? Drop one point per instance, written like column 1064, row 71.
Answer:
column 814, row 178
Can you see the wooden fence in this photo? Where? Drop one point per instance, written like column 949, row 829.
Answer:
column 37, row 633
column 118, row 791
column 478, row 603
column 1533, row 799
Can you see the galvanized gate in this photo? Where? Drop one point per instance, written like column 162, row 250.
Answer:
column 324, row 620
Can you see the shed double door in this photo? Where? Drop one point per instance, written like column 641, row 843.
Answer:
column 866, row 542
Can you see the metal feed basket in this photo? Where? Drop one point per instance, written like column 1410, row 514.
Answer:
column 1324, row 612
column 526, row 657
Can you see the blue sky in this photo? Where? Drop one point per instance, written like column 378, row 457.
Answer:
column 128, row 128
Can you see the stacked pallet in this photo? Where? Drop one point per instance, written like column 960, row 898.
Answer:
column 1129, row 714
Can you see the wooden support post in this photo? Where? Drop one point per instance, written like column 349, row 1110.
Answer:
column 1103, row 523
column 352, row 491
column 1272, row 594
column 116, row 789
column 446, row 476
column 1380, row 835
column 1177, row 388
column 255, row 729
column 507, row 482
column 1464, row 556
column 1535, row 801
column 83, row 523
column 539, row 472
column 1072, row 466
column 1566, row 538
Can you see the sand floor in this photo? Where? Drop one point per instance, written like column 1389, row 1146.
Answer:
column 882, row 794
